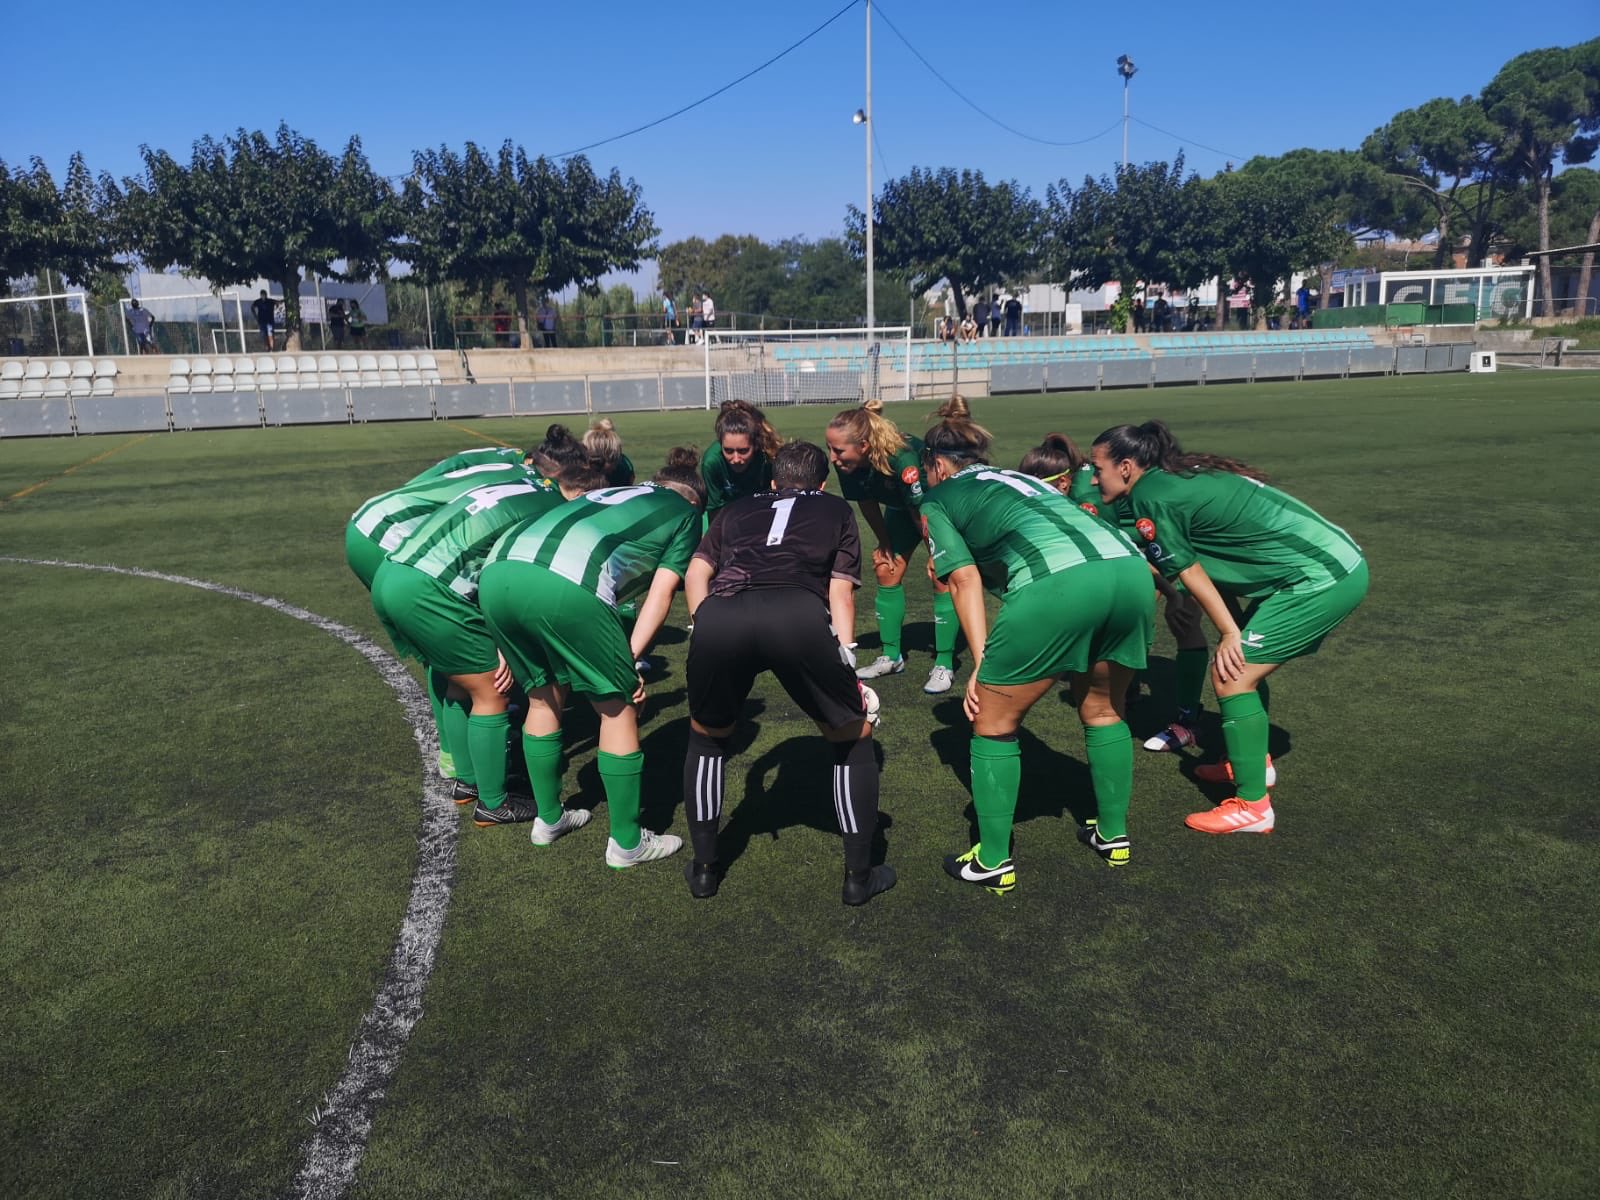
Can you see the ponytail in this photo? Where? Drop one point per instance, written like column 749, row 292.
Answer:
column 1152, row 445
column 957, row 436
column 1054, row 458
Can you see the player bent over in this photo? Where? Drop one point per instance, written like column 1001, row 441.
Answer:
column 772, row 588
column 1076, row 597
column 425, row 593
column 1213, row 524
column 550, row 592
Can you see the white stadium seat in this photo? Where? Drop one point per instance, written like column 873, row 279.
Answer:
column 288, row 373
column 178, row 375
column 266, row 373
column 200, row 375
column 82, row 377
column 369, row 370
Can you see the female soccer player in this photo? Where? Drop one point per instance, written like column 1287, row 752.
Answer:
column 550, row 592
column 1074, row 597
column 604, row 445
column 1213, row 524
column 1058, row 460
column 425, row 593
column 881, row 469
column 739, row 462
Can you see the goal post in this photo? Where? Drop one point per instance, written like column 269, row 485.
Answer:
column 774, row 367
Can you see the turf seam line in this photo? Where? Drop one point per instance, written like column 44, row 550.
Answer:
column 480, row 436
column 344, row 1119
column 88, row 462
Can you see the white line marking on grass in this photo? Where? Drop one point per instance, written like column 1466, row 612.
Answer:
column 344, row 1120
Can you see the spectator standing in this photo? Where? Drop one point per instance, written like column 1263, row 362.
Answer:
column 1138, row 315
column 1302, row 304
column 1013, row 316
column 143, row 325
column 502, row 327
column 669, row 318
column 545, row 314
column 337, row 319
column 357, row 320
column 994, row 315
column 697, row 317
column 980, row 315
column 1162, row 312
column 708, row 311
column 263, row 307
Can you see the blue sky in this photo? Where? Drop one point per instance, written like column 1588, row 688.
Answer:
column 776, row 155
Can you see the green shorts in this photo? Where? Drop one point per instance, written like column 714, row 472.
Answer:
column 1291, row 624
column 553, row 631
column 1100, row 611
column 905, row 531
column 363, row 554
column 430, row 622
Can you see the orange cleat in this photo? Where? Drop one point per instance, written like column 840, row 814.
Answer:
column 1235, row 816
column 1222, row 772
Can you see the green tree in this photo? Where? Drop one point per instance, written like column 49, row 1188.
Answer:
column 526, row 224
column 1574, row 218
column 1436, row 152
column 250, row 207
column 1541, row 103
column 1123, row 229
column 69, row 230
column 951, row 225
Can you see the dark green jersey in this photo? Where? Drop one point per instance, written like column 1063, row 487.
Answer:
column 472, row 458
column 1006, row 521
column 1251, row 539
column 452, row 544
column 724, row 485
column 621, row 473
column 389, row 519
column 609, row 541
column 903, row 486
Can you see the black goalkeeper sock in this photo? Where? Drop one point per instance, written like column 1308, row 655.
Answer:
column 855, row 799
column 702, row 792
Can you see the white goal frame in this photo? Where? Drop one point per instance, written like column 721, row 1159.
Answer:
column 52, row 297
column 815, row 368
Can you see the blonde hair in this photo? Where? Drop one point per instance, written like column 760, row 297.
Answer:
column 602, row 441
column 868, row 425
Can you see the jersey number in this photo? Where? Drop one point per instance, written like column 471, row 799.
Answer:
column 485, row 498
column 1015, row 482
column 780, row 520
column 617, row 495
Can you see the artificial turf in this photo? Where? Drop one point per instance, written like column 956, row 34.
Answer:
column 211, row 817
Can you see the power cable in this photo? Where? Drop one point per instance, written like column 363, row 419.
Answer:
column 1187, row 141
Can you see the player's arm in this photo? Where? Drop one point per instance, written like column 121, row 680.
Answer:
column 1230, row 649
column 697, row 583
column 872, row 513
column 966, row 588
column 842, row 609
column 653, row 612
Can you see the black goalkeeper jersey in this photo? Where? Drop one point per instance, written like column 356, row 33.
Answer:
column 790, row 538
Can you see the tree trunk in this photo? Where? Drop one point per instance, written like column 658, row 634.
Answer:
column 1441, row 257
column 1544, row 241
column 1586, row 271
column 520, row 290
column 961, row 300
column 290, row 284
column 1324, row 285
column 1223, row 288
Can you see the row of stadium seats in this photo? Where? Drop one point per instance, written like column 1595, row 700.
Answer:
column 1299, row 339
column 289, row 372
column 35, row 377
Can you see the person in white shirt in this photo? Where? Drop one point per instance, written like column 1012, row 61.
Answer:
column 708, row 311
column 143, row 324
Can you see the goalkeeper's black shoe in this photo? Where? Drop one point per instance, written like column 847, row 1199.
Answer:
column 703, row 878
column 1117, row 851
column 966, row 868
column 464, row 793
column 512, row 811
column 861, row 886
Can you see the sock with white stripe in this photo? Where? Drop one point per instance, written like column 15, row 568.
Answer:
column 1244, row 729
column 702, row 792
column 855, row 799
column 542, row 753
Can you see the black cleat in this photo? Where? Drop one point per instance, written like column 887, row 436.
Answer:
column 861, row 886
column 464, row 793
column 1117, row 852
column 703, row 878
column 511, row 812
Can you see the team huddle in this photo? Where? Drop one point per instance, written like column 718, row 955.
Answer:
column 523, row 579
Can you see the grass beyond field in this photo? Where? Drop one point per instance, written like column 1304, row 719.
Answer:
column 211, row 819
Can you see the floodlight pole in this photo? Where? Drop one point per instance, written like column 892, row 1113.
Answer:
column 867, row 123
column 1126, row 69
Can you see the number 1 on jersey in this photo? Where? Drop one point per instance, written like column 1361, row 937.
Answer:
column 780, row 520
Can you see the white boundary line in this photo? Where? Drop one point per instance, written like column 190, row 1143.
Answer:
column 344, row 1120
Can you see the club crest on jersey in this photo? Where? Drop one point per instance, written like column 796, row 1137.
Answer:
column 1090, row 509
column 908, row 476
column 1146, row 528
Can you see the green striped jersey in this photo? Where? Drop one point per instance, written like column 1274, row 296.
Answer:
column 724, row 485
column 452, row 544
column 609, row 541
column 387, row 520
column 472, row 458
column 1006, row 521
column 1251, row 539
column 904, row 486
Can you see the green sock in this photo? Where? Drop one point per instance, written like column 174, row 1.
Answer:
column 456, row 713
column 945, row 628
column 1110, row 750
column 486, row 741
column 891, row 609
column 543, row 756
column 1190, row 668
column 996, row 779
column 437, row 683
column 1244, row 727
column 620, row 774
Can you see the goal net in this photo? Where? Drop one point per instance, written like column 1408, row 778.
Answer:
column 807, row 366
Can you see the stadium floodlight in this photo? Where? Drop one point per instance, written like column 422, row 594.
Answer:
column 863, row 118
column 1127, row 70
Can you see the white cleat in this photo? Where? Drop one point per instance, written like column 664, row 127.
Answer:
column 573, row 818
column 940, row 680
column 880, row 666
column 651, row 847
column 1173, row 737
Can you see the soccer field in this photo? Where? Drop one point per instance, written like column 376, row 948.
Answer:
column 211, row 829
